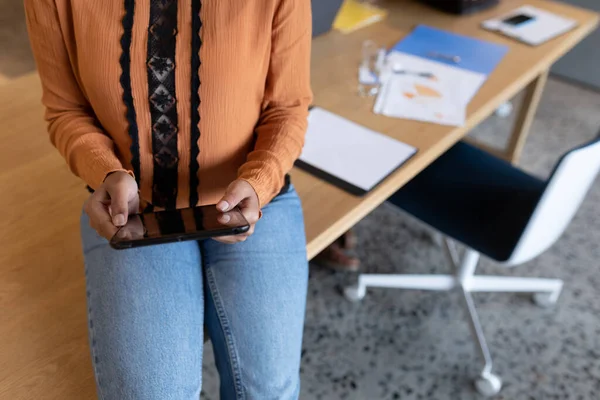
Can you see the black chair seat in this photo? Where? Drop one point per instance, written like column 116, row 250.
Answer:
column 475, row 198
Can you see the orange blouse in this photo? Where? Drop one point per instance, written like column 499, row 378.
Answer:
column 187, row 95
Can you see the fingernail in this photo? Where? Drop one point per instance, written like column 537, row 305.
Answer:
column 121, row 234
column 119, row 220
column 223, row 205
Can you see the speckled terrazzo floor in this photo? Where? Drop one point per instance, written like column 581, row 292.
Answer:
column 416, row 345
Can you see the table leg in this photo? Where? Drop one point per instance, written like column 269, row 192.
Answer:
column 533, row 94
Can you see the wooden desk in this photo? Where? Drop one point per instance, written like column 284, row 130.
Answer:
column 329, row 211
column 43, row 338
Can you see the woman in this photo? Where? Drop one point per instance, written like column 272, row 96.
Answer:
column 162, row 104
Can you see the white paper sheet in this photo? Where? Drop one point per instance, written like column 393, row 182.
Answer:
column 392, row 102
column 350, row 152
column 442, row 97
column 461, row 84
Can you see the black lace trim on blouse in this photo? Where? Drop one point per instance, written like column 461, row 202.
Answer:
column 195, row 102
column 125, row 80
column 162, row 33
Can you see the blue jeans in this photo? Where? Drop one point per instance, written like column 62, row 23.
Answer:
column 147, row 308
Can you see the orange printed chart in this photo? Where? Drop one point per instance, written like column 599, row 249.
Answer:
column 421, row 90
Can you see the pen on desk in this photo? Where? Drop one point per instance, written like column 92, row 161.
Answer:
column 446, row 57
column 419, row 74
column 397, row 69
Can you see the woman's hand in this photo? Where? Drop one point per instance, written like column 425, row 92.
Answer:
column 110, row 205
column 241, row 194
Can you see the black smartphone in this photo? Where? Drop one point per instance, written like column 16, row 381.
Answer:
column 519, row 19
column 195, row 223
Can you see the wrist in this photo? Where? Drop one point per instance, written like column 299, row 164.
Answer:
column 118, row 172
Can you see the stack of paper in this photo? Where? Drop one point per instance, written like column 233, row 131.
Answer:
column 432, row 75
column 355, row 15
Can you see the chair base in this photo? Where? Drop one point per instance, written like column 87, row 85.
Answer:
column 545, row 294
column 546, row 291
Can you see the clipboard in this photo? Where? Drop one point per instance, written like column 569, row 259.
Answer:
column 348, row 155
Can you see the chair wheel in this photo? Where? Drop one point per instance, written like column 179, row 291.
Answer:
column 354, row 294
column 488, row 384
column 544, row 299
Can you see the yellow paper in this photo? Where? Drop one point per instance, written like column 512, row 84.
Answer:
column 355, row 15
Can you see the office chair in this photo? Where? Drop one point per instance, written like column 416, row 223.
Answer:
column 497, row 210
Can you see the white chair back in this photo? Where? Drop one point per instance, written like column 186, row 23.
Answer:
column 565, row 191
